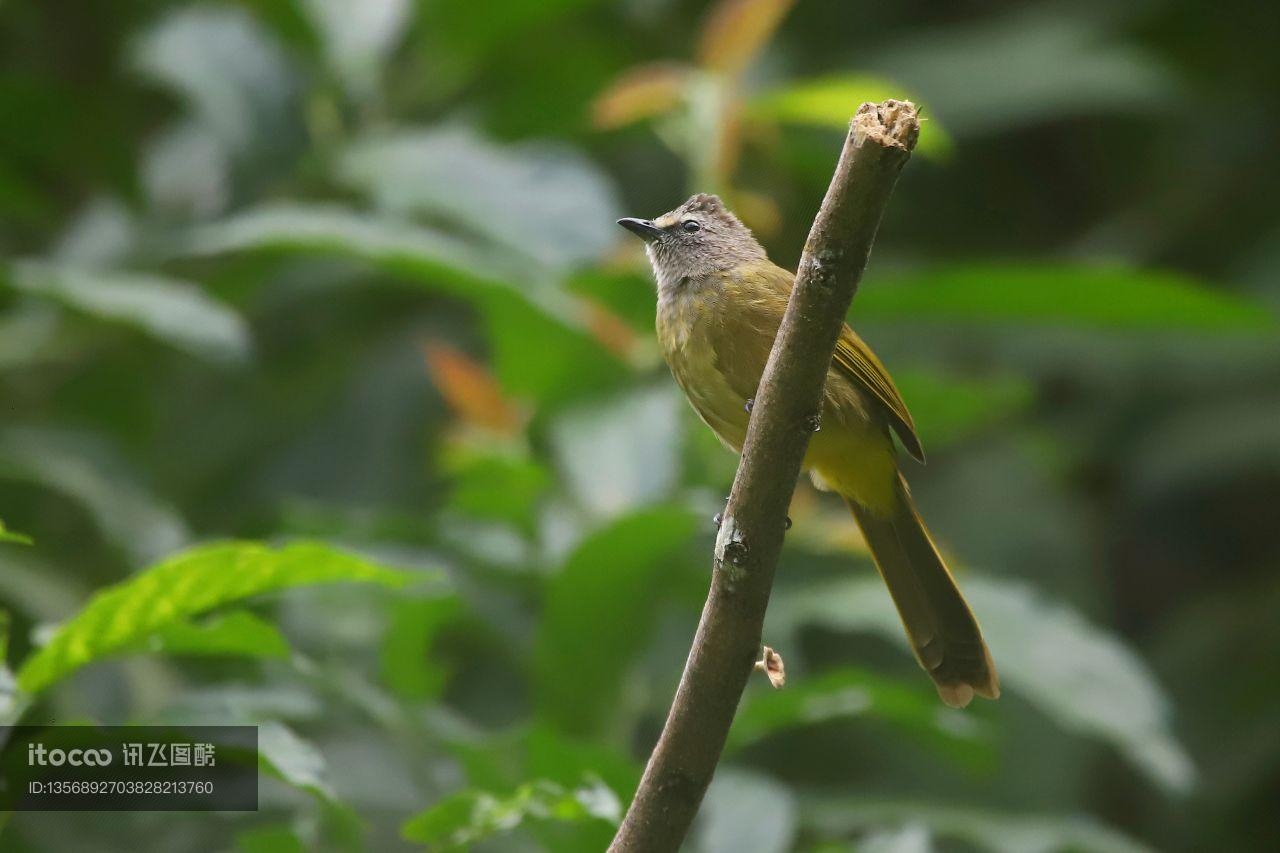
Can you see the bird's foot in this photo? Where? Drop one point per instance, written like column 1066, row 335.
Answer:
column 718, row 518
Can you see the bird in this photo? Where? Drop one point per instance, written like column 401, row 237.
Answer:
column 720, row 302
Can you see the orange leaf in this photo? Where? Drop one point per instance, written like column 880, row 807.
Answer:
column 640, row 93
column 469, row 389
column 736, row 30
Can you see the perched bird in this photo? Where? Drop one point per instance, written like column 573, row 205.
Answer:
column 720, row 303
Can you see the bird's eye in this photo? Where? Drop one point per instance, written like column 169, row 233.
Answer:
column 690, row 226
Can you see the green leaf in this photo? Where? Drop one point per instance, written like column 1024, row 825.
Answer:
column 501, row 761
column 184, row 586
column 1032, row 65
column 187, row 173
column 1000, row 833
column 1203, row 445
column 598, row 610
column 1076, row 673
column 232, row 73
column 173, row 311
column 492, row 484
column 471, row 816
column 454, row 821
column 87, row 469
column 275, row 838
column 948, row 409
column 848, row 693
column 746, row 812
column 544, row 355
column 910, row 838
column 470, row 36
column 408, row 666
column 419, row 253
column 297, row 762
column 290, row 758
column 1104, row 297
column 622, row 452
column 7, row 535
column 567, row 761
column 31, row 584
column 1082, row 676
column 358, row 36
column 627, row 293
column 13, row 704
column 101, row 234
column 540, row 202
column 31, row 334
column 832, row 101
column 237, row 632
column 540, row 345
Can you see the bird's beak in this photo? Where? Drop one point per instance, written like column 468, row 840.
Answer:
column 642, row 228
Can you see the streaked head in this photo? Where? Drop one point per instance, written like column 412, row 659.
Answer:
column 699, row 237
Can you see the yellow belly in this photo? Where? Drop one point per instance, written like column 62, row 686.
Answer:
column 719, row 406
column 851, row 454
column 860, row 464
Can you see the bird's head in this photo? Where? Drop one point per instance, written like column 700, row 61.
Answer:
column 698, row 238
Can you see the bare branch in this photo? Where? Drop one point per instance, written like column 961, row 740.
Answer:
column 881, row 138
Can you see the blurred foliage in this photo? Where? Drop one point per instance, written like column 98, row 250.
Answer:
column 295, row 291
column 13, row 536
column 185, row 586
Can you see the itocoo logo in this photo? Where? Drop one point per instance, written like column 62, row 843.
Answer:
column 37, row 754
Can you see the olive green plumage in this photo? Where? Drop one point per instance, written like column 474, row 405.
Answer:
column 720, row 303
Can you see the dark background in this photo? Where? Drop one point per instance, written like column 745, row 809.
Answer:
column 339, row 270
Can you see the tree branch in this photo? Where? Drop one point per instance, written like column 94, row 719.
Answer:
column 881, row 138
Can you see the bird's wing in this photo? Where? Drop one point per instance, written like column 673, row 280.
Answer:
column 743, row 347
column 856, row 360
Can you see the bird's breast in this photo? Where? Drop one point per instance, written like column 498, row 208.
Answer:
column 685, row 327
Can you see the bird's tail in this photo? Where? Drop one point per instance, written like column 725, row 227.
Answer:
column 943, row 633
